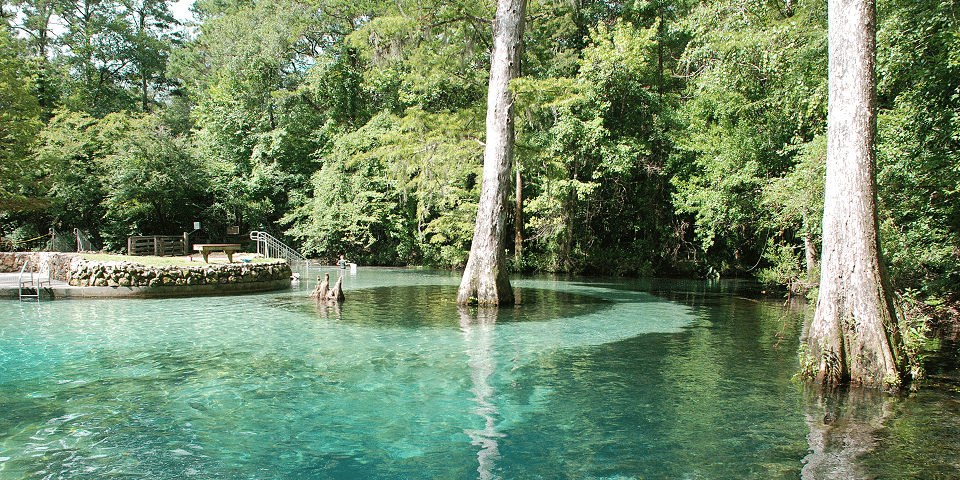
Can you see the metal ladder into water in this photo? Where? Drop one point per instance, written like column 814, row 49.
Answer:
column 269, row 246
column 31, row 282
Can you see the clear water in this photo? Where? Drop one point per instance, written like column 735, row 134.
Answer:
column 588, row 378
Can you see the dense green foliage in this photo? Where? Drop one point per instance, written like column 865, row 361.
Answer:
column 19, row 124
column 659, row 137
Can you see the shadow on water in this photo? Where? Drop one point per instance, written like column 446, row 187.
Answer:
column 418, row 306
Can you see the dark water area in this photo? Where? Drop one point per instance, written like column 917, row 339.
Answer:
column 587, row 378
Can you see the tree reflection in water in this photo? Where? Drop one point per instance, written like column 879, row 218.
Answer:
column 844, row 423
column 478, row 334
column 328, row 309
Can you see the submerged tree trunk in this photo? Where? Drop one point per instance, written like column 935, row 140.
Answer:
column 485, row 279
column 853, row 337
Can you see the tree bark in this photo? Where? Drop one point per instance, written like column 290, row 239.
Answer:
column 485, row 279
column 810, row 252
column 853, row 337
column 518, row 216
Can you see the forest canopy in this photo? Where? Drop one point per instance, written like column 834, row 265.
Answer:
column 655, row 137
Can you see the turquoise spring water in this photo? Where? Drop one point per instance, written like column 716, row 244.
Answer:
column 588, row 378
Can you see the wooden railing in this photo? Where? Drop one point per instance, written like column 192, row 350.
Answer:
column 157, row 245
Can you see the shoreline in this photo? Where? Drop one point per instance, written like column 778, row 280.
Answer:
column 72, row 276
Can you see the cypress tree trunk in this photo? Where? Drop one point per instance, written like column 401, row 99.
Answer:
column 485, row 279
column 809, row 249
column 518, row 217
column 853, row 337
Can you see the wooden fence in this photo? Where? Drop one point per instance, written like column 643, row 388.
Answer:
column 157, row 245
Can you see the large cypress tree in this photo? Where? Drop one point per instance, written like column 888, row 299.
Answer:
column 853, row 337
column 485, row 279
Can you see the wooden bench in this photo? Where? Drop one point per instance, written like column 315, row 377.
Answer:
column 206, row 248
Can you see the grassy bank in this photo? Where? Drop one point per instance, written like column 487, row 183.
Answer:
column 184, row 261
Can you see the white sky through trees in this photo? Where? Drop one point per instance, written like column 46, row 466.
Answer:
column 181, row 10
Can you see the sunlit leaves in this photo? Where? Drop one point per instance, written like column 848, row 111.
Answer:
column 19, row 124
column 154, row 186
column 354, row 208
column 919, row 143
column 757, row 84
column 115, row 53
column 120, row 175
column 592, row 149
column 794, row 211
column 76, row 145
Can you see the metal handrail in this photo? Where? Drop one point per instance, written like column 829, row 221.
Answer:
column 83, row 240
column 269, row 246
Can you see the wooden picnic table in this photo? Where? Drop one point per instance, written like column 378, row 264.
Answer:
column 206, row 248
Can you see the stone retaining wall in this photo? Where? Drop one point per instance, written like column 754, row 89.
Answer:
column 139, row 279
column 128, row 274
column 60, row 263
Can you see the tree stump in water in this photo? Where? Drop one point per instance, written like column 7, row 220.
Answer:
column 336, row 293
column 320, row 291
column 324, row 292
